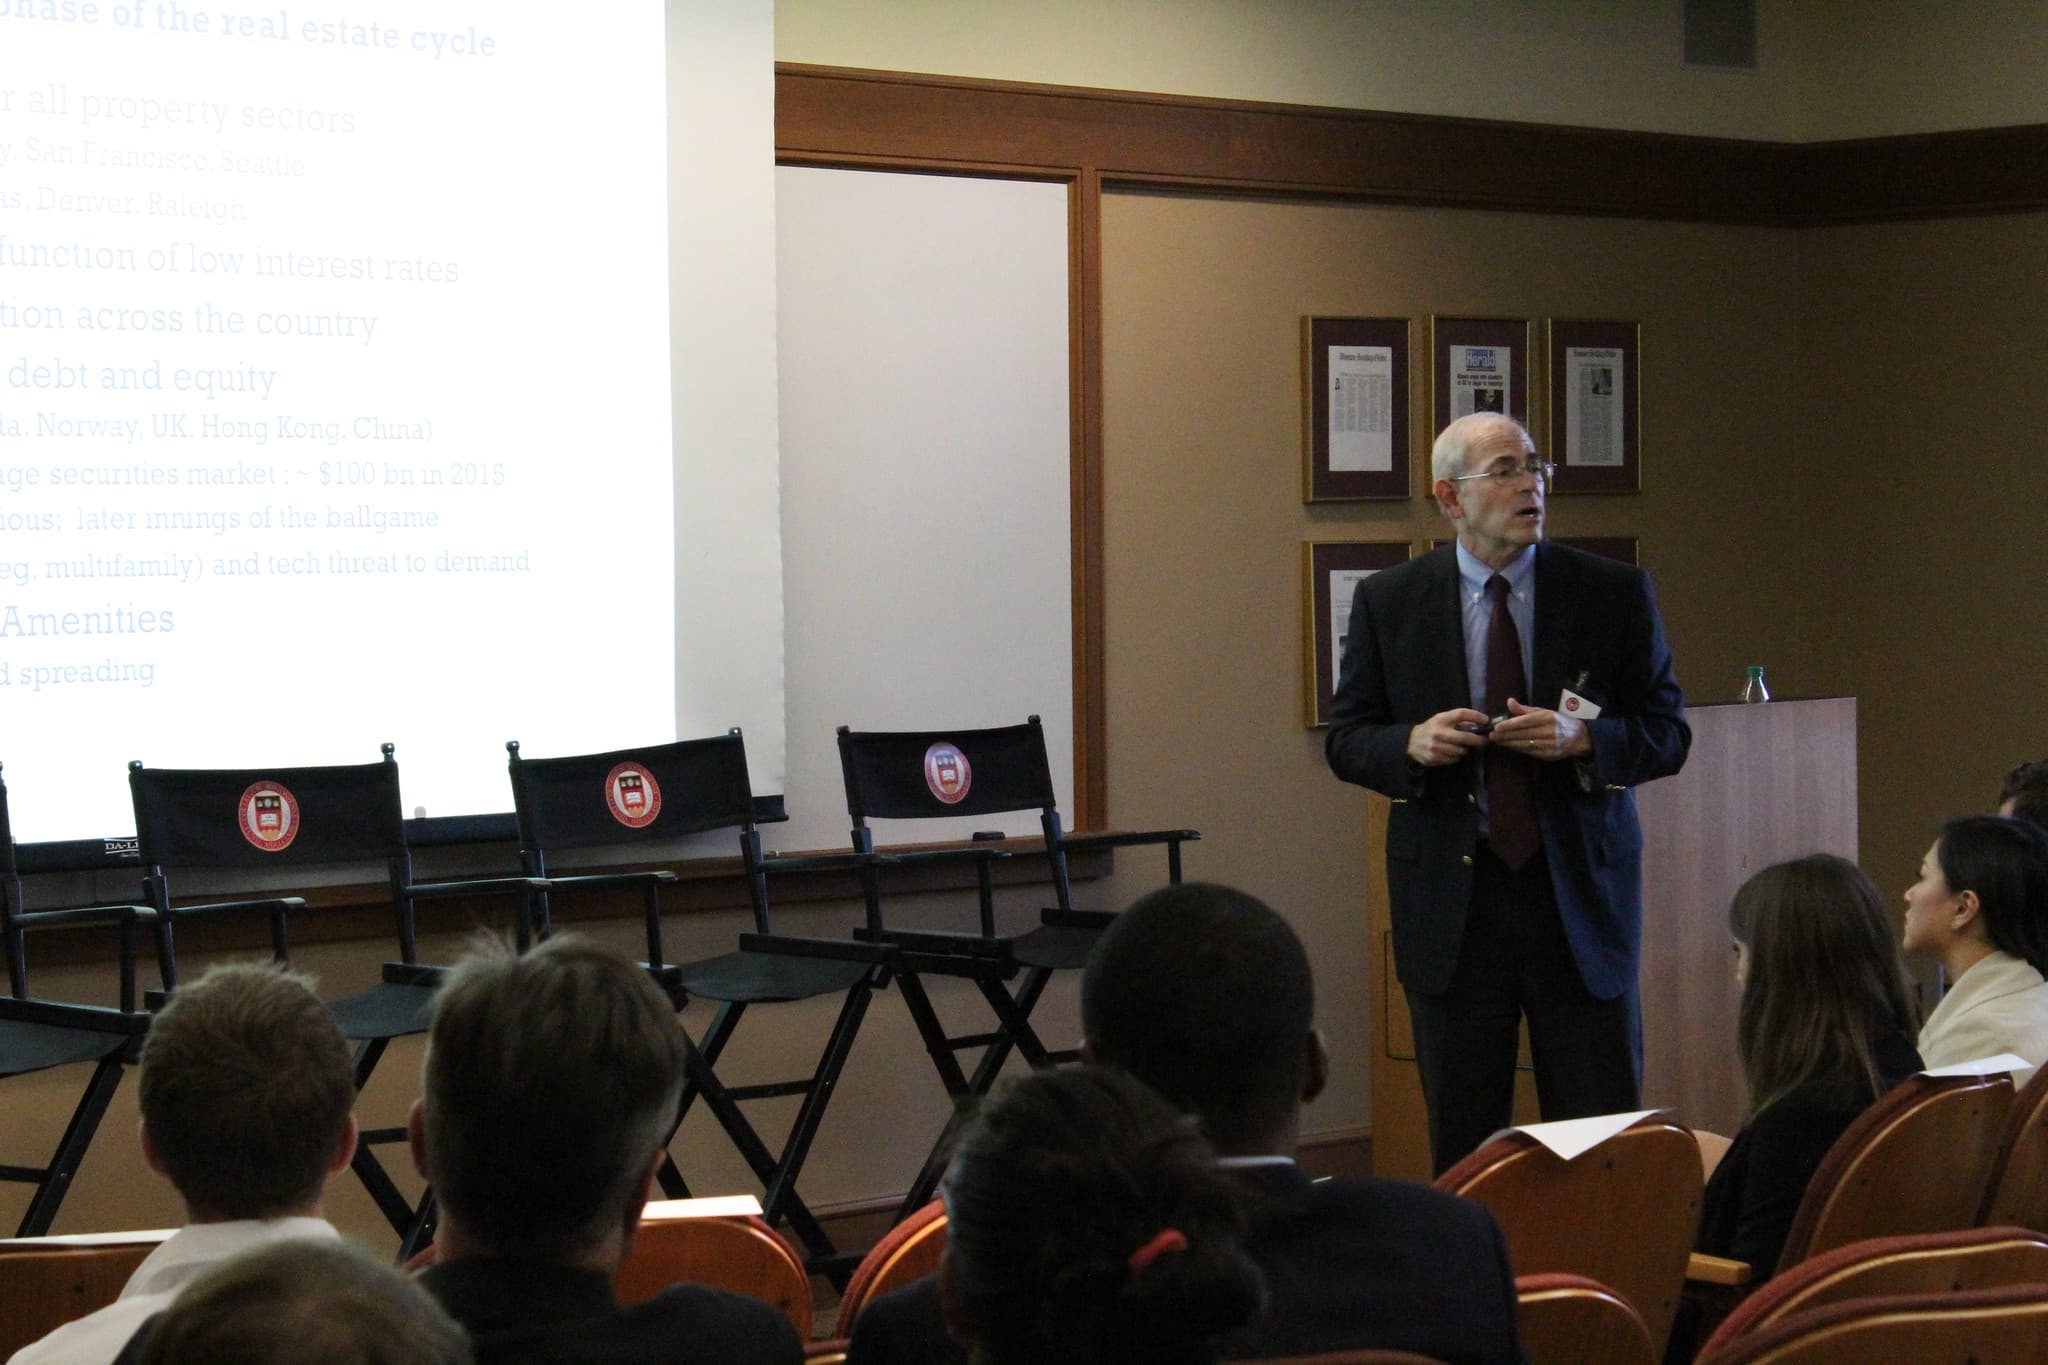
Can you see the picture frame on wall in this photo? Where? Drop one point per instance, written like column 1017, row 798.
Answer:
column 1478, row 365
column 1331, row 571
column 1595, row 385
column 1355, row 438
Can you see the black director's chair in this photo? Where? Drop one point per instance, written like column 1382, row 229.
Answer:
column 276, row 821
column 659, row 794
column 934, row 774
column 36, row 1035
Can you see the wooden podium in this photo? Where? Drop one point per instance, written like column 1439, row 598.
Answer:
column 1762, row 784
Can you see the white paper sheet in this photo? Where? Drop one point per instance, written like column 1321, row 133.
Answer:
column 1573, row 1137
column 715, row 1206
column 1982, row 1066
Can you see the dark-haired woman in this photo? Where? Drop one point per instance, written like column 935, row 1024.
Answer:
column 1087, row 1222
column 1980, row 909
column 1825, row 1027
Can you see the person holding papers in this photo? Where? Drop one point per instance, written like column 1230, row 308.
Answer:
column 1980, row 909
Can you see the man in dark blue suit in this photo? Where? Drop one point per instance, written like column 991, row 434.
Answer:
column 1205, row 994
column 1507, row 694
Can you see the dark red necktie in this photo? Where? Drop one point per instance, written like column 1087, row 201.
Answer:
column 1510, row 783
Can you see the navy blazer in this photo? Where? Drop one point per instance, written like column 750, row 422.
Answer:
column 1597, row 632
column 1349, row 1264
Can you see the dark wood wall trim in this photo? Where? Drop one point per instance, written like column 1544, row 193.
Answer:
column 1105, row 139
column 876, row 117
column 1275, row 149
column 1927, row 175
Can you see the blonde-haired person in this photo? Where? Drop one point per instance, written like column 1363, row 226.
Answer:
column 300, row 1303
column 1980, row 909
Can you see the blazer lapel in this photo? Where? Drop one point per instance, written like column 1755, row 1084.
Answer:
column 1556, row 615
column 1445, row 617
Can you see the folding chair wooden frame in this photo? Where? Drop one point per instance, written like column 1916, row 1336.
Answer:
column 1917, row 1160
column 1558, row 1216
column 1923, row 1263
column 933, row 774
column 2016, row 1193
column 665, row 792
column 276, row 819
column 2003, row 1324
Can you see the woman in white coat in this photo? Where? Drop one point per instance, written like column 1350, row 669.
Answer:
column 1980, row 909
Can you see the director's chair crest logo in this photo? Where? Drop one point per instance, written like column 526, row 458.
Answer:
column 947, row 773
column 632, row 795
column 269, row 816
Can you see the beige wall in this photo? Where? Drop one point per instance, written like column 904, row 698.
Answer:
column 1873, row 68
column 1825, row 69
column 1924, row 490
column 1202, row 301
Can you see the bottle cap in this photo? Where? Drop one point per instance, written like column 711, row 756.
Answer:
column 1756, row 670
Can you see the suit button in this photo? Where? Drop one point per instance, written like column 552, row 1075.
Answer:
column 1466, row 860
column 1471, row 798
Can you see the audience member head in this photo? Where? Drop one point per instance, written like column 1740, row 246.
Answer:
column 1983, row 885
column 2024, row 795
column 1822, row 981
column 302, row 1303
column 1205, row 995
column 246, row 1093
column 1088, row 1222
column 550, row 1085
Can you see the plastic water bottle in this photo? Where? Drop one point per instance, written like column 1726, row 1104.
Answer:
column 1753, row 689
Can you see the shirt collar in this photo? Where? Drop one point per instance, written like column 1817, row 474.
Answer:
column 1474, row 574
column 191, row 1249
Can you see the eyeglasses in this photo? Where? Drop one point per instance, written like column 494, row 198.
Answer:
column 1508, row 475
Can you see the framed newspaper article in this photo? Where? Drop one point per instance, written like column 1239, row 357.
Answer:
column 1478, row 365
column 1354, row 408
column 1596, row 387
column 1331, row 571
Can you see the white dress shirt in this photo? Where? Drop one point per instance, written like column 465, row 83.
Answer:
column 97, row 1338
column 1999, row 1005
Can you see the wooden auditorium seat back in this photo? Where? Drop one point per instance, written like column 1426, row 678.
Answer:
column 1915, row 1161
column 907, row 1252
column 1623, row 1214
column 1983, row 1326
column 47, row 1282
column 2017, row 1193
column 1573, row 1320
column 1891, row 1267
column 744, row 1255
